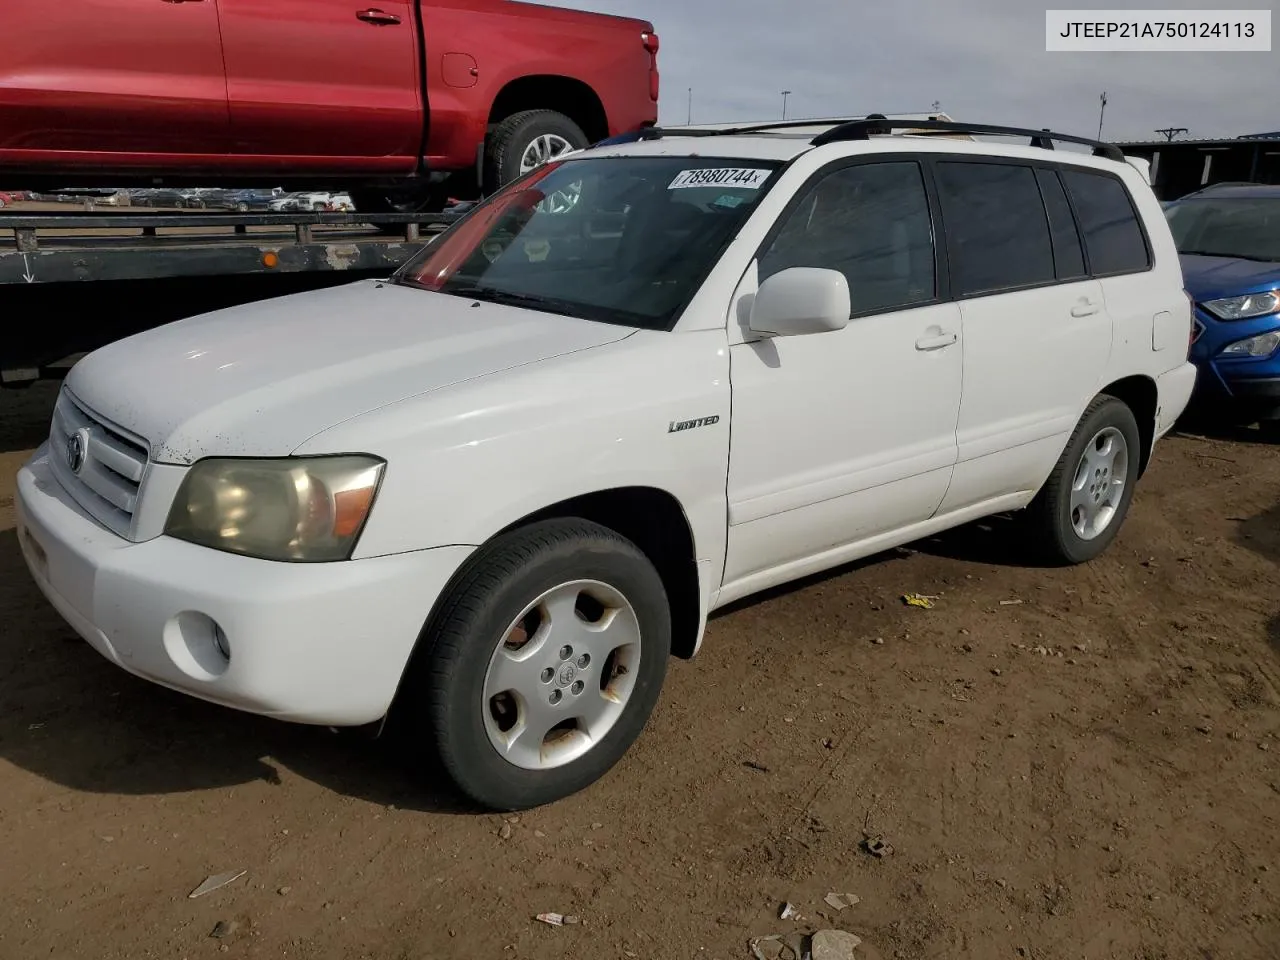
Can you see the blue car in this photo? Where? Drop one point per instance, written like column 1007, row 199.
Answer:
column 1228, row 237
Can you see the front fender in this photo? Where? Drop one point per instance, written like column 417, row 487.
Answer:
column 468, row 461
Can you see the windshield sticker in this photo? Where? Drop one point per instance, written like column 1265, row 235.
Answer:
column 730, row 201
column 743, row 178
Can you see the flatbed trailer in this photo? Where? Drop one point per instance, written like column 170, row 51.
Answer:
column 71, row 282
column 56, row 247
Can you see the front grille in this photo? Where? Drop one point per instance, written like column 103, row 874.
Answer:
column 111, row 466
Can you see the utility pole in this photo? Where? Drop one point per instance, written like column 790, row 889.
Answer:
column 785, row 94
column 1102, row 110
column 690, row 106
column 1171, row 132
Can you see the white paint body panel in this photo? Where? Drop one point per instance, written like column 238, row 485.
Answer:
column 827, row 447
column 308, row 361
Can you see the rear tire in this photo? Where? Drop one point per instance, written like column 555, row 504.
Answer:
column 524, row 140
column 555, row 586
column 1082, row 505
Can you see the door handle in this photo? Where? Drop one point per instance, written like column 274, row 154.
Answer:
column 379, row 18
column 181, row 1
column 936, row 341
column 1084, row 309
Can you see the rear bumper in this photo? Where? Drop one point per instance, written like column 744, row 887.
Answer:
column 1173, row 394
column 316, row 643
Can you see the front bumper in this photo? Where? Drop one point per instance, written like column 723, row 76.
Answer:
column 1247, row 387
column 319, row 643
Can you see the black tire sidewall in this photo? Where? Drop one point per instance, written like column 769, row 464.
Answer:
column 518, row 133
column 1111, row 413
column 481, row 619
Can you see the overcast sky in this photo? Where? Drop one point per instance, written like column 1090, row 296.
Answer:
column 982, row 60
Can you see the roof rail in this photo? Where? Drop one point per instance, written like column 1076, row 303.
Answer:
column 658, row 133
column 864, row 128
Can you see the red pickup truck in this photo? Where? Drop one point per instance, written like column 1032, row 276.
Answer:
column 402, row 102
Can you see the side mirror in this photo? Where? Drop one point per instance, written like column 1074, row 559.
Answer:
column 801, row 300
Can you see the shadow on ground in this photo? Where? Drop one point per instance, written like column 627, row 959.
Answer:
column 73, row 718
column 1261, row 534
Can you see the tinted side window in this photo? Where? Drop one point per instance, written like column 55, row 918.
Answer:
column 1112, row 234
column 1067, row 255
column 997, row 233
column 871, row 222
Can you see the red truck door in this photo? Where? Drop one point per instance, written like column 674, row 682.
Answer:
column 139, row 77
column 323, row 84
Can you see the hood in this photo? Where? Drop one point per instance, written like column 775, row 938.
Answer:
column 260, row 379
column 1211, row 278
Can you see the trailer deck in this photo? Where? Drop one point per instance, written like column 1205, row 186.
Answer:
column 56, row 247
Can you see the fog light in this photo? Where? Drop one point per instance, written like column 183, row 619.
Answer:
column 221, row 642
column 197, row 645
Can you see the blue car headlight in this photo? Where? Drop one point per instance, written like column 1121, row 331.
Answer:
column 1263, row 345
column 1246, row 307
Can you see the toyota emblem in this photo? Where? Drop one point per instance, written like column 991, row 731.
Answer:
column 75, row 452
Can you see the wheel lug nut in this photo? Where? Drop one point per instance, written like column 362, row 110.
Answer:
column 555, row 697
column 548, row 675
column 578, row 687
column 566, row 652
column 583, row 661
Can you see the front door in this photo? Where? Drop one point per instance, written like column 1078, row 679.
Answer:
column 840, row 437
column 134, row 77
column 323, row 84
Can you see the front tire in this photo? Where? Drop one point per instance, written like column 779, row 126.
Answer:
column 525, row 141
column 1082, row 505
column 543, row 663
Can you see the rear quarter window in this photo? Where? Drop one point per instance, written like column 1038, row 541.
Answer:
column 1113, row 236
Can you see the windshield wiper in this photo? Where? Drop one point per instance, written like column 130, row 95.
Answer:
column 531, row 301
column 505, row 297
column 1226, row 256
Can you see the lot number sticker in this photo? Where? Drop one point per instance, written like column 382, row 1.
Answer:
column 740, row 177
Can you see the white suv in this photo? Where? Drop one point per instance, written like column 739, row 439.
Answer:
column 498, row 490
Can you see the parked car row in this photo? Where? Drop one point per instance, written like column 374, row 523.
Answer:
column 276, row 199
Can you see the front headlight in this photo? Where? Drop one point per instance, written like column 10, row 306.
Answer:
column 1263, row 345
column 1246, row 307
column 300, row 509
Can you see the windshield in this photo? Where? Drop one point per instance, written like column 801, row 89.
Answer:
column 619, row 239
column 1247, row 228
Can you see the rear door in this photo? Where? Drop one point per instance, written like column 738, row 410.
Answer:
column 1037, row 335
column 324, row 84
column 111, row 77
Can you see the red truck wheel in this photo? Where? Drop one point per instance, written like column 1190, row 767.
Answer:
column 526, row 140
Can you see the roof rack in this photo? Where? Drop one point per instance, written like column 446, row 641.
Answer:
column 862, row 129
column 658, row 133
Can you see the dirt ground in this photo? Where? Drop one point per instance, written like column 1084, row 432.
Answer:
column 1090, row 772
